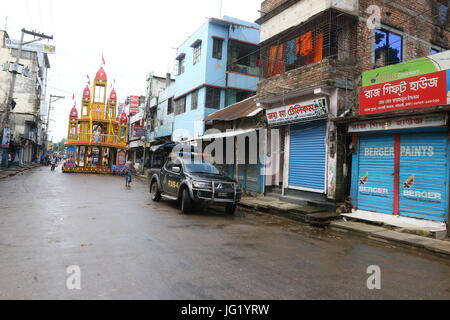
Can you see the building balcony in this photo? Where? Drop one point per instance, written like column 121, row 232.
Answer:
column 243, row 80
column 330, row 72
column 281, row 16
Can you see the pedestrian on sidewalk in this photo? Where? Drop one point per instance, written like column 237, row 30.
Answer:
column 129, row 169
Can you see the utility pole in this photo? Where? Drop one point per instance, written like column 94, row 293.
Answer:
column 56, row 98
column 10, row 103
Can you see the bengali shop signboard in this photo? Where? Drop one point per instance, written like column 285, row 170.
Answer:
column 411, row 122
column 415, row 92
column 134, row 104
column 418, row 83
column 307, row 110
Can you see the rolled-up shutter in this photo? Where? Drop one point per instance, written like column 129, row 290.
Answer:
column 307, row 161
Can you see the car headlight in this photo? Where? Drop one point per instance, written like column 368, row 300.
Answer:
column 202, row 185
column 238, row 187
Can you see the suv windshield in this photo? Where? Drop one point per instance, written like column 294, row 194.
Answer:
column 201, row 168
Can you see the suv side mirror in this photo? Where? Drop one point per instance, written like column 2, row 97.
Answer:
column 176, row 169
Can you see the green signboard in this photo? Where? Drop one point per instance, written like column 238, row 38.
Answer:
column 412, row 68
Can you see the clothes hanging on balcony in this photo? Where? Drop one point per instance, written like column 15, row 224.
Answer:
column 318, row 47
column 291, row 54
column 275, row 63
column 304, row 44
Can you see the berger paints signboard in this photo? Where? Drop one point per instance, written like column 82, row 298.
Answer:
column 307, row 110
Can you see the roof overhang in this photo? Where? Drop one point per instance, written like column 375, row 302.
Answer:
column 226, row 134
column 196, row 43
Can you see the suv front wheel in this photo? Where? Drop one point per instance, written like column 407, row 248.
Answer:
column 186, row 202
column 154, row 191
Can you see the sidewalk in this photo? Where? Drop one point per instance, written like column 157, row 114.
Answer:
column 439, row 247
column 12, row 171
column 315, row 216
column 312, row 215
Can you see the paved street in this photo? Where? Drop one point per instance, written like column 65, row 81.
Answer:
column 130, row 248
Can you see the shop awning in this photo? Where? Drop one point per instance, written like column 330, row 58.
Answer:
column 243, row 109
column 226, row 134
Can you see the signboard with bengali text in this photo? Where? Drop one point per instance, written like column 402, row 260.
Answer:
column 306, row 110
column 411, row 122
column 415, row 92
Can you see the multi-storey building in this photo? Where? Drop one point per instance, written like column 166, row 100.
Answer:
column 27, row 119
column 314, row 53
column 216, row 66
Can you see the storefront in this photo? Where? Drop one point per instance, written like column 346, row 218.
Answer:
column 304, row 126
column 400, row 163
column 402, row 171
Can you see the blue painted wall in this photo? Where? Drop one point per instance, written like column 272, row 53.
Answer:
column 209, row 71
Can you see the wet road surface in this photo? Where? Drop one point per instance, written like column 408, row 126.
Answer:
column 131, row 248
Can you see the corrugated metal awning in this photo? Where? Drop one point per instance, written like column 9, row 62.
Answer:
column 245, row 108
column 225, row 134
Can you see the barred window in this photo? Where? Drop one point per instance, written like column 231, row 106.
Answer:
column 180, row 105
column 194, row 100
column 213, row 97
column 197, row 53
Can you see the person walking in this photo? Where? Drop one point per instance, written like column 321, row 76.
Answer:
column 129, row 169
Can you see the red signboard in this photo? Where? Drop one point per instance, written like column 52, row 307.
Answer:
column 134, row 104
column 416, row 92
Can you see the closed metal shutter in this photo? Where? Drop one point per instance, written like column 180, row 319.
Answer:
column 376, row 173
column 307, row 159
column 424, row 176
column 253, row 177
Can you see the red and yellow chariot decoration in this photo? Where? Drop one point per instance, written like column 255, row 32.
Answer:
column 97, row 140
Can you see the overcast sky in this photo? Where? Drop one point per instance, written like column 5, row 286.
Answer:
column 135, row 37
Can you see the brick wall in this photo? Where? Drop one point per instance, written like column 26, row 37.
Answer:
column 417, row 21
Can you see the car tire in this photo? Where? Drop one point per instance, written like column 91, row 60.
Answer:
column 230, row 209
column 186, row 202
column 154, row 191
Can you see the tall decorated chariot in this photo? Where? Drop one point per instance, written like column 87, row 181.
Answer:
column 97, row 137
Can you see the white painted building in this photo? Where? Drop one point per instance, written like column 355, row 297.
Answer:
column 29, row 115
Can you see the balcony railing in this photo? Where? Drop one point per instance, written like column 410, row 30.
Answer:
column 97, row 138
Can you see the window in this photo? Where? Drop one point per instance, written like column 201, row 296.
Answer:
column 197, row 53
column 99, row 94
column 181, row 65
column 169, row 106
column 194, row 98
column 388, row 48
column 217, row 48
column 180, row 106
column 213, row 97
column 244, row 58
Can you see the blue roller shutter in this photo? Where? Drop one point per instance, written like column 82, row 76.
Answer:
column 307, row 160
column 376, row 173
column 424, row 176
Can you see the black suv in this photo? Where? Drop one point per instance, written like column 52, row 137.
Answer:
column 183, row 179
